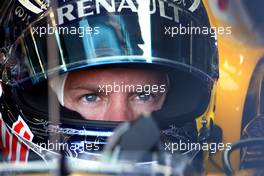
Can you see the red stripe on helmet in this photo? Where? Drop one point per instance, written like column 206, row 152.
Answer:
column 24, row 148
column 17, row 129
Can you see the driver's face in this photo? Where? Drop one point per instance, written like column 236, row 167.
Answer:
column 85, row 92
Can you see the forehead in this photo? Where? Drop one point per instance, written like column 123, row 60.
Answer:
column 124, row 74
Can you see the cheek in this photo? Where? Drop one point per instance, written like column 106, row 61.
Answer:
column 147, row 107
column 87, row 111
column 138, row 109
column 161, row 101
column 91, row 113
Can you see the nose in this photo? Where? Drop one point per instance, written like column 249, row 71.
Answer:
column 119, row 108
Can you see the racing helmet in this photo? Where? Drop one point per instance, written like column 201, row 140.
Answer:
column 244, row 18
column 172, row 37
column 16, row 15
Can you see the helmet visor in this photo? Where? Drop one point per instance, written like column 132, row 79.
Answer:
column 154, row 34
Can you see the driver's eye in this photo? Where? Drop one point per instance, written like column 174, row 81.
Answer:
column 144, row 97
column 90, row 98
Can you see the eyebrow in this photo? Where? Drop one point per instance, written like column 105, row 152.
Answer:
column 99, row 87
column 85, row 87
